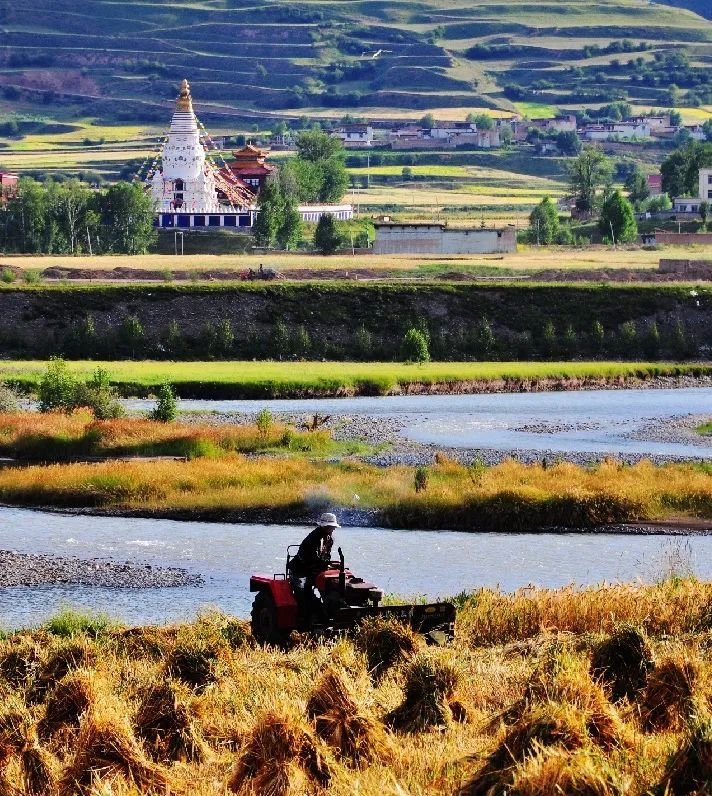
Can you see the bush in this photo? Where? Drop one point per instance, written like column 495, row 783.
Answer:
column 264, row 422
column 326, row 237
column 8, row 399
column 167, row 407
column 8, row 275
column 415, row 346
column 57, row 388
column 98, row 395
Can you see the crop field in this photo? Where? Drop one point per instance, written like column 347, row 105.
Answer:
column 602, row 691
column 527, row 260
column 285, row 379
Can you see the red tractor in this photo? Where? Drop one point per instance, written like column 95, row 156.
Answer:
column 343, row 601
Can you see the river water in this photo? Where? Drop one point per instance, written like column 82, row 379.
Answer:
column 585, row 421
column 431, row 563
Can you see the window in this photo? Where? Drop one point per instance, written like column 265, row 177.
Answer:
column 214, row 221
column 167, row 220
column 230, row 221
column 198, row 221
column 183, row 220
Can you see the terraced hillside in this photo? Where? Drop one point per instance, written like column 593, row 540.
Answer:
column 119, row 60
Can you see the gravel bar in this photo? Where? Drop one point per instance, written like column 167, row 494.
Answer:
column 23, row 569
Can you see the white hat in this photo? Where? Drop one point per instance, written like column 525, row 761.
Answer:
column 328, row 520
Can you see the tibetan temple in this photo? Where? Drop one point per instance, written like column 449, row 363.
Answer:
column 191, row 191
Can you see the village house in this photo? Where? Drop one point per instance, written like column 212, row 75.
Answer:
column 439, row 238
column 655, row 123
column 355, row 136
column 615, row 130
column 565, row 123
column 691, row 204
column 655, row 184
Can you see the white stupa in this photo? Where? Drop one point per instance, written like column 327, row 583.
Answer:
column 186, row 181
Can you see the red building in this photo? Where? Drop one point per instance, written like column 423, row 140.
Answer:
column 249, row 166
column 655, row 183
column 8, row 187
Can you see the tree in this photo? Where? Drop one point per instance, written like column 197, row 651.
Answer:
column 290, row 231
column 544, row 222
column 127, row 214
column 334, row 181
column 506, row 134
column 482, row 121
column 681, row 168
column 707, row 130
column 270, row 213
column 316, row 146
column 131, row 333
column 704, row 212
column 589, row 173
column 166, row 409
column 637, row 185
column 326, row 237
column 428, row 121
column 57, row 388
column 415, row 346
column 617, row 219
column 568, row 142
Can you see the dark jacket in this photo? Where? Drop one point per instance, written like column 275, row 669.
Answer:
column 309, row 560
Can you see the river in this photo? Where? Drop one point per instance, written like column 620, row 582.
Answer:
column 431, row 563
column 603, row 421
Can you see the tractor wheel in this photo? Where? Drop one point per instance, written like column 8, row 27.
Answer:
column 265, row 629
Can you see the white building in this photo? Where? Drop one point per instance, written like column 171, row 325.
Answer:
column 187, row 188
column 438, row 238
column 355, row 136
column 607, row 132
column 705, row 185
column 190, row 192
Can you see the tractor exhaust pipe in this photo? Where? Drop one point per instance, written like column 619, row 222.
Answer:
column 342, row 575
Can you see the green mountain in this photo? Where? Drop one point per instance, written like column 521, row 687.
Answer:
column 120, row 60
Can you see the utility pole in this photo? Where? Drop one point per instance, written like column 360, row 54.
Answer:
column 613, row 235
column 368, row 169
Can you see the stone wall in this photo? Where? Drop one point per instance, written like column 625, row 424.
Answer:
column 439, row 239
column 692, row 268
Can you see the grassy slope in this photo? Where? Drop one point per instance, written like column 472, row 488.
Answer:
column 146, row 46
column 284, row 379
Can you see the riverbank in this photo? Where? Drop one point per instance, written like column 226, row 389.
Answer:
column 217, row 380
column 619, row 672
column 446, row 495
column 23, row 569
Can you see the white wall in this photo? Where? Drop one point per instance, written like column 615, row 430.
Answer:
column 436, row 240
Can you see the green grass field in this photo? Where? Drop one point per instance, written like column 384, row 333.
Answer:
column 284, row 379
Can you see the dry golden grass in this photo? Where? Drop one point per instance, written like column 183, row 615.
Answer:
column 539, row 724
column 507, row 497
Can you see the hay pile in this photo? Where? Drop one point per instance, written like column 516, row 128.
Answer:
column 18, row 662
column 565, row 677
column 354, row 737
column 195, row 661
column 164, row 722
column 549, row 725
column 70, row 656
column 71, row 698
column 668, row 701
column 429, row 697
column 554, row 771
column 107, row 750
column 385, row 643
column 623, row 662
column 689, row 770
column 279, row 758
column 25, row 767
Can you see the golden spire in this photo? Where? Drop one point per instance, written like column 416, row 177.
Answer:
column 184, row 103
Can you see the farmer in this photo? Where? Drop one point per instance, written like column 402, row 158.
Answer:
column 312, row 558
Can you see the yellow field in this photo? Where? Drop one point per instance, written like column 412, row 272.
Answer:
column 529, row 258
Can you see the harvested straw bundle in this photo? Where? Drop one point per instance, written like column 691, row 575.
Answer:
column 18, row 662
column 74, row 655
column 35, row 768
column 151, row 642
column 106, row 749
column 279, row 758
column 195, row 662
column 553, row 771
column 565, row 677
column 429, row 697
column 70, row 699
column 164, row 722
column 385, row 643
column 353, row 736
column 623, row 662
column 668, row 701
column 689, row 770
column 561, row 726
